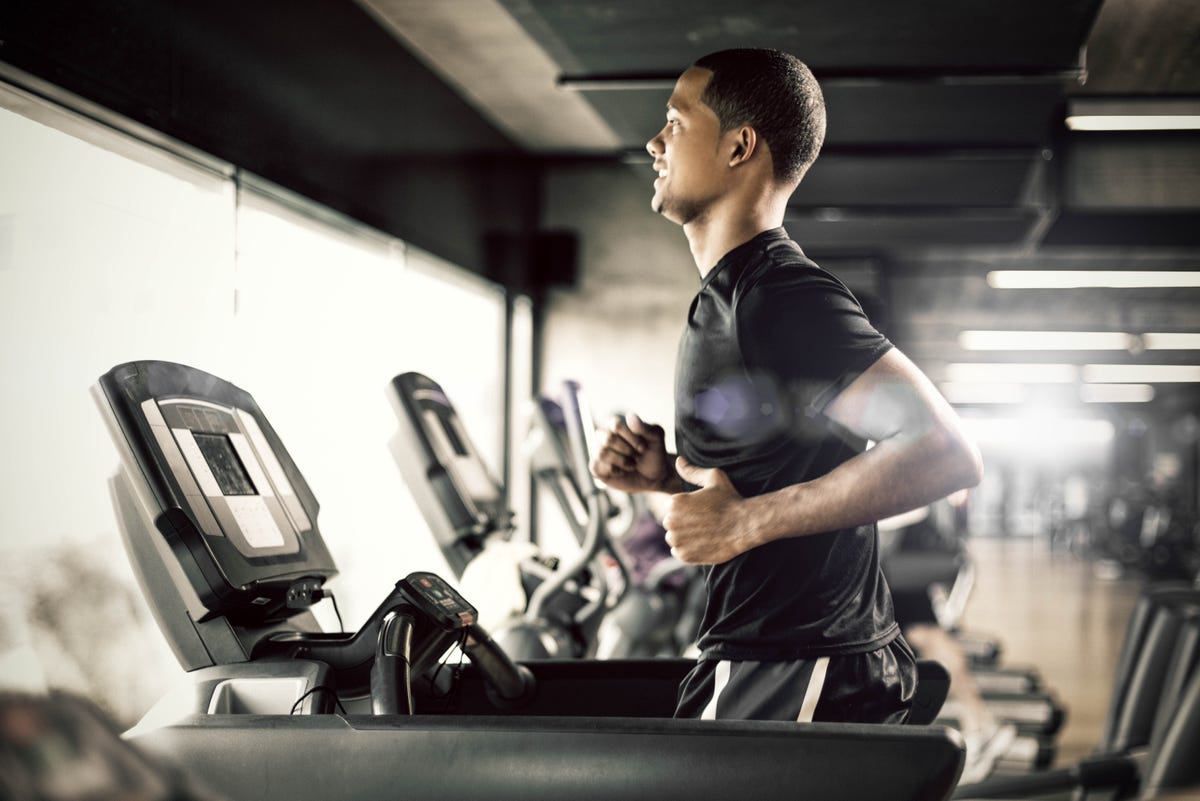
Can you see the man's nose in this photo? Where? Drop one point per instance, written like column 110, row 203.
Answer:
column 653, row 147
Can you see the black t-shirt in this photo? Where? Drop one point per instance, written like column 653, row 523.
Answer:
column 771, row 339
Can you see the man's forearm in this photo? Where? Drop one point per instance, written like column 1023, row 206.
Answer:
column 893, row 477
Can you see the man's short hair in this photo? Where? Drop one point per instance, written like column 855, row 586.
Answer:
column 776, row 95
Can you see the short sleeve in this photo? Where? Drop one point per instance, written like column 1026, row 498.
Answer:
column 803, row 329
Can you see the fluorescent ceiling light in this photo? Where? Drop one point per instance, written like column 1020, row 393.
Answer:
column 960, row 393
column 1141, row 373
column 1133, row 114
column 1044, row 340
column 1075, row 340
column 1171, row 341
column 1006, row 373
column 1128, row 122
column 1116, row 393
column 1074, row 279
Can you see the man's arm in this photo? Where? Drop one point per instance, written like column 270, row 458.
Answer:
column 921, row 454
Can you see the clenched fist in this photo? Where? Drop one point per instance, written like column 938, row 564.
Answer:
column 633, row 458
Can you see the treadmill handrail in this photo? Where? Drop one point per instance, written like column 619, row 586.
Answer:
column 591, row 546
column 559, row 477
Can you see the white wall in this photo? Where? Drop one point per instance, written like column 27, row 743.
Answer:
column 118, row 252
column 618, row 330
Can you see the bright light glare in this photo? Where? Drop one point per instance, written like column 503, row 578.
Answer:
column 1039, row 435
column 1129, row 122
column 1116, row 393
column 1171, row 341
column 1044, row 340
column 1075, row 279
column 1141, row 373
column 960, row 393
column 1005, row 373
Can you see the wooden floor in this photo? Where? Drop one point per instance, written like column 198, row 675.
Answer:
column 1061, row 614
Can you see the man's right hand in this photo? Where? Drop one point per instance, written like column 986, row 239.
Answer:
column 633, row 458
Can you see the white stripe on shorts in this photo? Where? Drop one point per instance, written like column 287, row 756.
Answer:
column 720, row 679
column 813, row 693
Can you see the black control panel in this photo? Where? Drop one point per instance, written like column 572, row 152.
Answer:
column 439, row 601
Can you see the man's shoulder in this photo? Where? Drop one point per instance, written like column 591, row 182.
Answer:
column 781, row 266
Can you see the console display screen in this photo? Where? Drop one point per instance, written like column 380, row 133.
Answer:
column 226, row 467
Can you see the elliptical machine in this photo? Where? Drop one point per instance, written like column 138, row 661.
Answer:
column 592, row 607
column 657, row 608
column 561, row 605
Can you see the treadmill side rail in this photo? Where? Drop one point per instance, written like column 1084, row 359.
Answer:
column 273, row 758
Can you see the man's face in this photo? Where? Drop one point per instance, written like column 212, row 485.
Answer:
column 687, row 153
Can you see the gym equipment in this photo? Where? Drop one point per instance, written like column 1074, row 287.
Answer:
column 570, row 610
column 1144, row 662
column 1152, row 733
column 1149, row 530
column 222, row 532
column 220, row 528
column 658, row 615
column 921, row 558
column 465, row 508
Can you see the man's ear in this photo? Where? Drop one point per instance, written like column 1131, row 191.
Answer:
column 745, row 141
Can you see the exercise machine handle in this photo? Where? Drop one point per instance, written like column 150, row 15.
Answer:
column 510, row 685
column 597, row 510
column 578, row 420
column 391, row 672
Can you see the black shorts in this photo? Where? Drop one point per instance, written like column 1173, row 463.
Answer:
column 874, row 687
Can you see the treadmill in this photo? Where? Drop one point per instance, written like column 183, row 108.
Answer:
column 222, row 531
column 1013, row 696
column 1152, row 732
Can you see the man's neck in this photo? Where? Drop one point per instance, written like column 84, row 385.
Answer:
column 715, row 234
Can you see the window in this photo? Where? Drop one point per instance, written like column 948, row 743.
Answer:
column 113, row 250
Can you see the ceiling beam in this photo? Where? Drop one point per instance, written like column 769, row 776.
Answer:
column 492, row 62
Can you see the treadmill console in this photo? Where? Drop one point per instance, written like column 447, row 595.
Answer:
column 438, row 601
column 223, row 493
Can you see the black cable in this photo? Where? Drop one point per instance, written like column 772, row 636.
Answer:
column 319, row 688
column 336, row 611
column 445, row 658
column 324, row 593
column 448, row 696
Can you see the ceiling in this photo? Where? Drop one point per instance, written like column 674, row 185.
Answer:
column 945, row 117
column 946, row 154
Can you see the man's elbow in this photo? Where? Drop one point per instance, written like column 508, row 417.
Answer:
column 973, row 469
column 969, row 463
column 961, row 459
